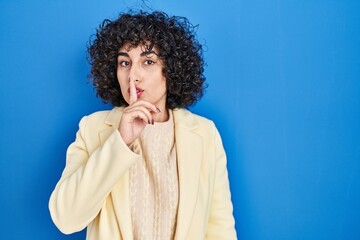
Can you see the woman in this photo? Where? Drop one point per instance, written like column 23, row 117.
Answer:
column 148, row 169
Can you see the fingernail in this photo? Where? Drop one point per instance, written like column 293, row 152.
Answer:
column 149, row 121
column 153, row 122
column 158, row 110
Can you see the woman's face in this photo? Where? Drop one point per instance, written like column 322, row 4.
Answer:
column 144, row 67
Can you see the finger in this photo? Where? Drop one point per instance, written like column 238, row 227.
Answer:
column 133, row 96
column 144, row 110
column 149, row 106
column 138, row 113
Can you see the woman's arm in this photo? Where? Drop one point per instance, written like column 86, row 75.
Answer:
column 87, row 180
column 221, row 221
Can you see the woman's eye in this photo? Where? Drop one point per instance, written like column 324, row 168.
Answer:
column 124, row 63
column 149, row 62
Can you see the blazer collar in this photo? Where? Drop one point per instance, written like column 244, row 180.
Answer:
column 114, row 116
column 185, row 118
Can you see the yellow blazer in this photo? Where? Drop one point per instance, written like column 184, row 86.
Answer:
column 93, row 191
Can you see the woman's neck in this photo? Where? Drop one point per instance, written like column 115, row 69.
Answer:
column 162, row 116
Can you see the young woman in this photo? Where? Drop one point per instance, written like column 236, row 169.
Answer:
column 149, row 168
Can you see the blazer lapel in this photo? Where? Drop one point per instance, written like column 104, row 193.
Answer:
column 120, row 193
column 111, row 123
column 121, row 201
column 189, row 163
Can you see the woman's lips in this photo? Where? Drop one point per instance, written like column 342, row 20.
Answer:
column 139, row 91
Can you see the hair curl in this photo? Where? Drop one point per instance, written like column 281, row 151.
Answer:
column 174, row 37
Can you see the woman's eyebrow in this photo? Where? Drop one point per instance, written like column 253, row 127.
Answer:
column 123, row 54
column 141, row 54
column 147, row 53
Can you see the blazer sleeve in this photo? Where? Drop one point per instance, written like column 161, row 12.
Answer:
column 87, row 179
column 221, row 221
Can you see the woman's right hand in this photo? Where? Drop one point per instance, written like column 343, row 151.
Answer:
column 135, row 117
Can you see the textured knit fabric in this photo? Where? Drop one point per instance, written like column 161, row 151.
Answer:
column 154, row 183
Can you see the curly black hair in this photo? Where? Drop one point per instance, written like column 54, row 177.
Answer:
column 174, row 37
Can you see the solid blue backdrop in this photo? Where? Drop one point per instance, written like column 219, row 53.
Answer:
column 284, row 91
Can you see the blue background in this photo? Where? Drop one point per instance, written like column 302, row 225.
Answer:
column 284, row 91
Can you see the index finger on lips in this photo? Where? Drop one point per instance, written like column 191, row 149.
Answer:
column 133, row 96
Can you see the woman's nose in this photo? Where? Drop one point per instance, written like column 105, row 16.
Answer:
column 135, row 73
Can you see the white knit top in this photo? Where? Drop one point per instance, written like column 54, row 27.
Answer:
column 154, row 184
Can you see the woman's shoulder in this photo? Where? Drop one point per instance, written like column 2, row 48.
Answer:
column 103, row 117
